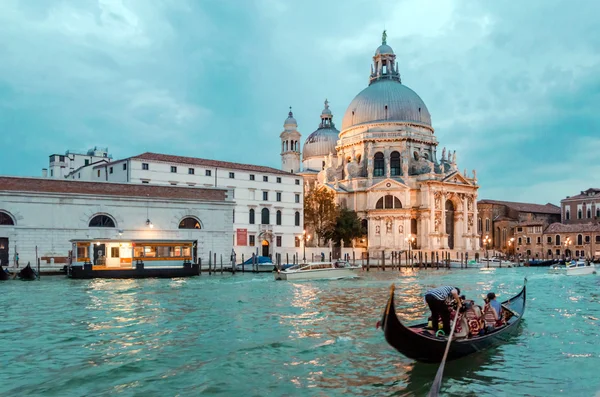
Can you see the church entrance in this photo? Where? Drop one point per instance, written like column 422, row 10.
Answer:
column 265, row 248
column 450, row 223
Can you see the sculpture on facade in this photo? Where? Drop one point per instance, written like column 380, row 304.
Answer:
column 475, row 174
column 444, row 154
column 400, row 229
column 377, row 231
column 388, row 225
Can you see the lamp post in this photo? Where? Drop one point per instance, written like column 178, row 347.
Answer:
column 511, row 245
column 567, row 243
column 486, row 242
column 305, row 238
column 410, row 240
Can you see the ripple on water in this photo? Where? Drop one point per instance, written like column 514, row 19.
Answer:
column 248, row 335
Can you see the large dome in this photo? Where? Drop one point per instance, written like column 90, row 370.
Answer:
column 320, row 143
column 386, row 100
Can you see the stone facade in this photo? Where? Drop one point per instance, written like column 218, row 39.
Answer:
column 47, row 213
column 582, row 208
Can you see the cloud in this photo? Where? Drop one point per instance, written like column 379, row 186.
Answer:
column 513, row 87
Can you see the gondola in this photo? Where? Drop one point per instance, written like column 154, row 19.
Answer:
column 4, row 275
column 27, row 273
column 420, row 344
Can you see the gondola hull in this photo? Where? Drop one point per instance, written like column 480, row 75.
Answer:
column 416, row 343
column 28, row 274
column 4, row 275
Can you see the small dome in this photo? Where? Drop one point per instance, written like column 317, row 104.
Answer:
column 384, row 49
column 320, row 143
column 290, row 119
column 386, row 100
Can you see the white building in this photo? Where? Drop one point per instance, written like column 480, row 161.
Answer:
column 268, row 214
column 384, row 165
column 63, row 164
column 47, row 213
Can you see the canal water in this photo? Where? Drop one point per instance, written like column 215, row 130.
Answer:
column 246, row 334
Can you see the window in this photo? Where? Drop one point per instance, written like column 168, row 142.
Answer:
column 207, row 172
column 519, row 229
column 395, row 163
column 265, row 196
column 145, row 181
column 520, row 241
column 589, row 212
column 528, row 252
column 598, row 238
column 388, row 201
column 233, row 216
column 145, row 166
column 52, row 173
column 298, row 182
column 278, row 241
column 98, row 173
column 278, row 180
column 5, row 219
column 264, row 216
column 579, row 214
column 579, row 239
column 549, row 240
column 251, row 240
column 190, row 223
column 278, row 196
column 567, row 215
column 479, row 225
column 173, row 183
column 297, row 241
column 297, row 218
column 587, row 239
column 87, row 162
column 577, row 253
column 110, row 170
column 124, row 166
column 379, row 164
column 265, row 178
column 61, row 158
column 297, row 196
column 191, row 171
column 528, row 240
column 101, row 221
column 597, row 211
column 251, row 177
column 539, row 240
column 173, row 169
column 231, row 175
column 79, row 175
column 557, row 252
column 114, row 252
column 278, row 218
column 487, row 225
column 557, row 240
column 251, row 220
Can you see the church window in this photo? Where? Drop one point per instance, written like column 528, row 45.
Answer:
column 297, row 218
column 567, row 214
column 190, row 223
column 579, row 214
column 251, row 220
column 5, row 219
column 379, row 164
column 388, row 202
column 278, row 218
column 102, row 221
column 395, row 163
column 579, row 239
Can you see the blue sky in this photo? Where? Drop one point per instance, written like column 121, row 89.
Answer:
column 513, row 87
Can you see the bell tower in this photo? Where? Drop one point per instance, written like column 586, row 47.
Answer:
column 290, row 145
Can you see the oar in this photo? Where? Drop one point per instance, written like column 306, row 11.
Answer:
column 437, row 382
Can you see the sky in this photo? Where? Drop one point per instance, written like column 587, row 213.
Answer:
column 513, row 87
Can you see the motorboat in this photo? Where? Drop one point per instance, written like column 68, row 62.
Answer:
column 495, row 262
column 580, row 268
column 318, row 271
column 557, row 268
column 262, row 264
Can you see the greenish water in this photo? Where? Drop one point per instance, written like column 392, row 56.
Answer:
column 249, row 335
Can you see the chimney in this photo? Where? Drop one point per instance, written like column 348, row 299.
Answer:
column 44, row 173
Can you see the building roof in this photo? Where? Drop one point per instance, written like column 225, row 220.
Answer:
column 167, row 158
column 558, row 227
column 591, row 192
column 530, row 223
column 525, row 207
column 69, row 186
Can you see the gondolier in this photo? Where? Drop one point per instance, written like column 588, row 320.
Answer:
column 438, row 300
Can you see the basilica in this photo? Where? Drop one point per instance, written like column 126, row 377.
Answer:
column 384, row 164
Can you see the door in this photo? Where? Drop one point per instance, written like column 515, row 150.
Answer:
column 4, row 251
column 450, row 223
column 99, row 254
column 265, row 248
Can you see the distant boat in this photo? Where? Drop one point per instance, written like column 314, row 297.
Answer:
column 27, row 273
column 263, row 264
column 580, row 268
column 318, row 271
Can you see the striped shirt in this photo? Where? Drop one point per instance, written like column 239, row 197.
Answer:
column 441, row 293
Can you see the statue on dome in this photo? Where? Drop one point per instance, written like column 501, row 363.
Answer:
column 384, row 37
column 475, row 174
column 444, row 154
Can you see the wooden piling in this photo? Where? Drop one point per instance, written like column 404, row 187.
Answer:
column 353, row 258
column 209, row 262
column 243, row 266
column 221, row 263
column 215, row 262
column 368, row 264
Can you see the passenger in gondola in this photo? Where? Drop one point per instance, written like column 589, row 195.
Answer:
column 439, row 299
column 491, row 316
column 494, row 303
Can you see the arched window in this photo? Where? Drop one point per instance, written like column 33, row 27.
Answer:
column 395, row 163
column 479, row 225
column 549, row 252
column 264, row 216
column 379, row 164
column 297, row 218
column 189, row 223
column 102, row 221
column 557, row 239
column 388, row 202
column 5, row 219
column 579, row 239
column 278, row 217
column 251, row 220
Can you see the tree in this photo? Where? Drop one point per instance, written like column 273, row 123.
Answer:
column 347, row 227
column 320, row 211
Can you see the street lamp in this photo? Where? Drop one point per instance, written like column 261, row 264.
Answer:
column 486, row 242
column 511, row 245
column 305, row 237
column 410, row 240
column 568, row 242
